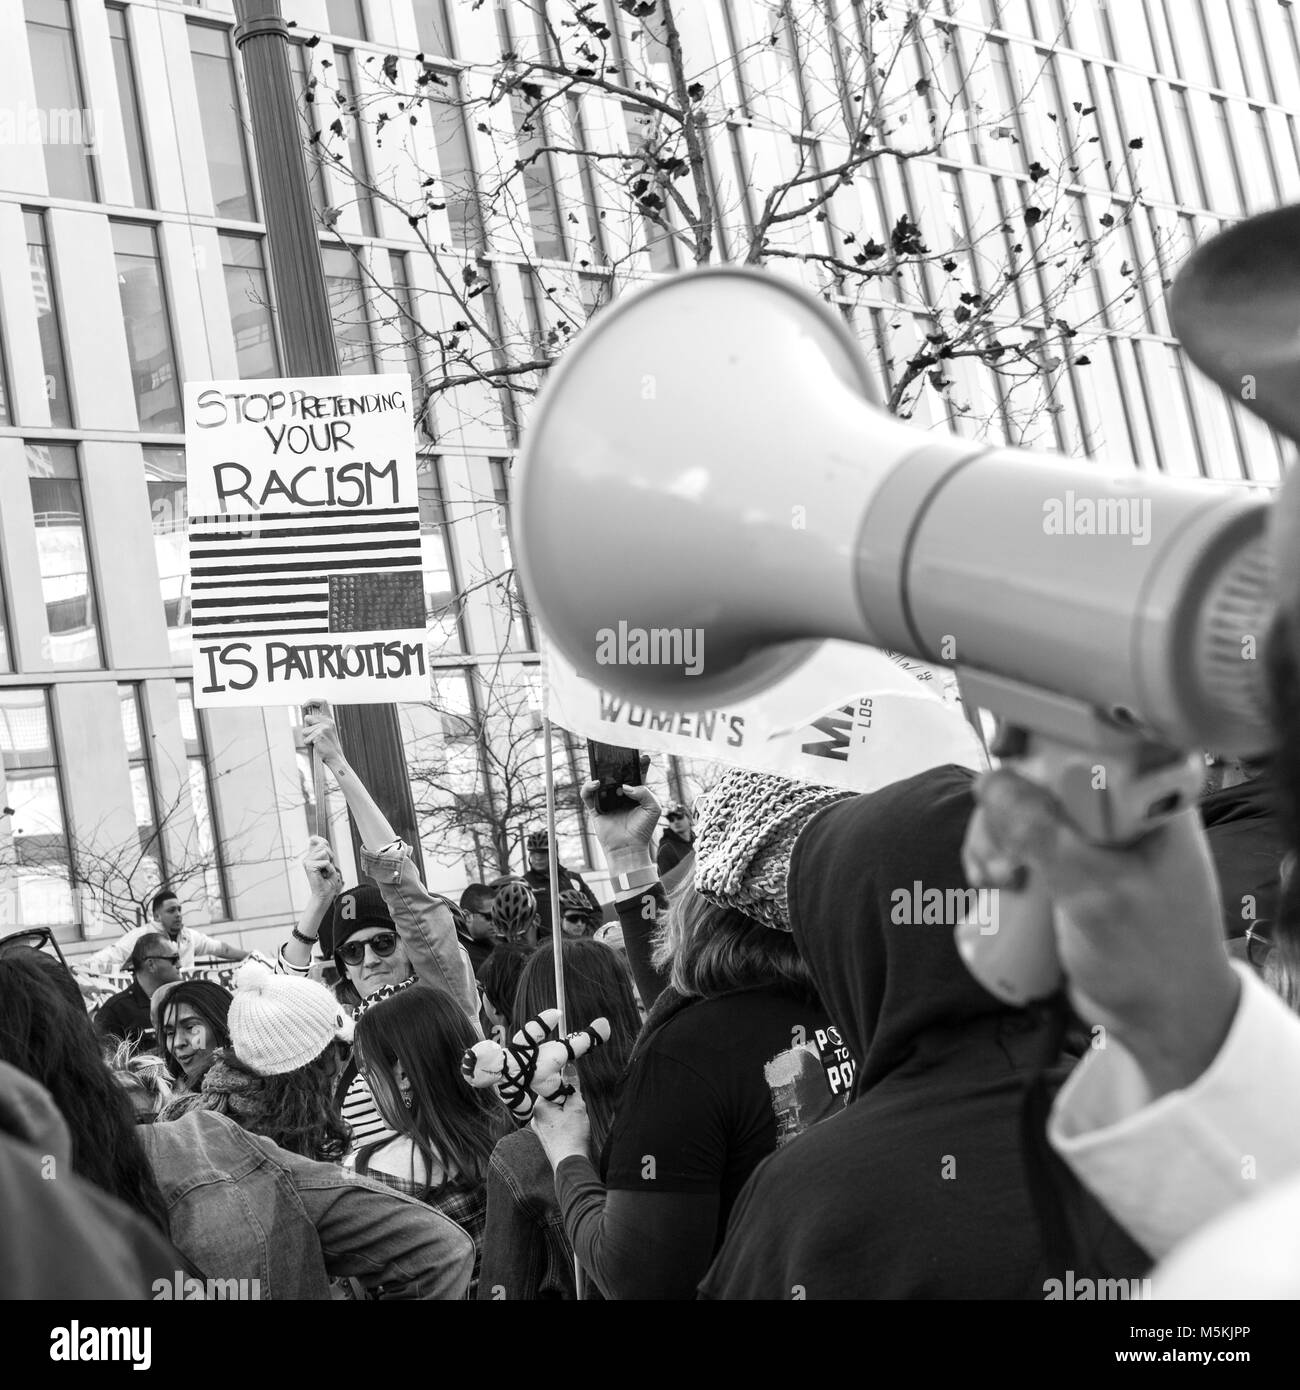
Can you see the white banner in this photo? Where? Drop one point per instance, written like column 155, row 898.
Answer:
column 851, row 716
column 306, row 572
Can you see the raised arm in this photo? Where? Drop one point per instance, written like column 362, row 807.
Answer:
column 425, row 922
column 638, row 897
column 326, row 883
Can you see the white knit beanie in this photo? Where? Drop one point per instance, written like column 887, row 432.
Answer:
column 279, row 1023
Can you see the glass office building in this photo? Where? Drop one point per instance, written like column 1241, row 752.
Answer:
column 133, row 259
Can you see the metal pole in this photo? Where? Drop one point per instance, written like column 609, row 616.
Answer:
column 557, row 933
column 370, row 734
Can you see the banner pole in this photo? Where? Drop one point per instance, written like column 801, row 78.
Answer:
column 552, row 856
column 557, row 916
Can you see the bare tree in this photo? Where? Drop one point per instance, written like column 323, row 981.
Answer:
column 608, row 146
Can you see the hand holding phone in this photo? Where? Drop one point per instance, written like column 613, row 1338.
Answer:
column 613, row 767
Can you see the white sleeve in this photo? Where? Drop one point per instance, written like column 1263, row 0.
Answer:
column 112, row 959
column 1165, row 1168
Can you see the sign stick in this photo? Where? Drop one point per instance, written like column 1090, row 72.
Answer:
column 557, row 917
column 319, row 794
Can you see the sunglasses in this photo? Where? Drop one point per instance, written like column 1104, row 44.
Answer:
column 1258, row 947
column 174, row 959
column 576, row 917
column 383, row 944
column 676, row 815
column 34, row 939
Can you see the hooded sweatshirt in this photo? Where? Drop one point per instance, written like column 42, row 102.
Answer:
column 63, row 1238
column 1247, row 843
column 919, row 1188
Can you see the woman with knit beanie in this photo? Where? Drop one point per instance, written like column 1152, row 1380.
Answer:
column 737, row 1056
column 409, row 1046
column 277, row 1078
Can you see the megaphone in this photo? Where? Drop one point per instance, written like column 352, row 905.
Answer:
column 710, row 456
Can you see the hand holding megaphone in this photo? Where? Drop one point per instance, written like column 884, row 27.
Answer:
column 1113, row 619
column 1139, row 929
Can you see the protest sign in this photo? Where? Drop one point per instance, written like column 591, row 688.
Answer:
column 850, row 716
column 304, row 537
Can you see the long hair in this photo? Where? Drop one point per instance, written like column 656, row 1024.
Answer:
column 452, row 1125
column 44, row 1036
column 596, row 984
column 500, row 975
column 295, row 1110
column 209, row 1001
column 711, row 950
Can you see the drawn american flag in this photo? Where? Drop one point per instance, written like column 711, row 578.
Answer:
column 273, row 574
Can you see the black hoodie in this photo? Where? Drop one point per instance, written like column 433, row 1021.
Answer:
column 918, row 1189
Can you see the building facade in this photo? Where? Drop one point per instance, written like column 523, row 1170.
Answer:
column 133, row 259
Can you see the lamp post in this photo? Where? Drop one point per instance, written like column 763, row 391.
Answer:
column 370, row 734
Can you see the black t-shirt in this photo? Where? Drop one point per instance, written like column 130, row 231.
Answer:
column 722, row 1084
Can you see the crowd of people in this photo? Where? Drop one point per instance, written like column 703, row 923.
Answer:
column 798, row 1092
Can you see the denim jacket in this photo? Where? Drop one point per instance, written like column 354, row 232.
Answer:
column 526, row 1254
column 240, row 1207
column 426, row 924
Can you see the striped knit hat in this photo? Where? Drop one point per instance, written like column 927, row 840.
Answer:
column 745, row 828
column 279, row 1023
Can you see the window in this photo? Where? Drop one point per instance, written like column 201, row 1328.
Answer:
column 406, row 319
column 346, row 17
column 349, row 114
column 348, row 310
column 453, row 796
column 129, row 100
column 433, row 27
column 518, row 609
column 148, row 326
column 6, row 660
column 307, row 88
column 249, row 301
column 207, row 833
column 147, row 873
column 48, row 326
column 654, row 210
column 222, row 123
column 455, row 167
column 35, row 856
column 441, row 592
column 67, row 130
column 5, row 417
column 62, row 546
column 164, row 472
column 538, row 174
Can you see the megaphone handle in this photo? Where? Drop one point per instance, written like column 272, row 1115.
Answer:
column 1114, row 784
column 1010, row 944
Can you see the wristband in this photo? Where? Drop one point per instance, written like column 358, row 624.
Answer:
column 298, row 936
column 638, row 878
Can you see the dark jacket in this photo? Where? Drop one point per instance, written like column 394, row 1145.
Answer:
column 920, row 1188
column 126, row 1015
column 673, row 848
column 526, row 1255
column 540, row 883
column 1248, row 845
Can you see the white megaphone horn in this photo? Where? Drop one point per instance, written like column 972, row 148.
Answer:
column 710, row 455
